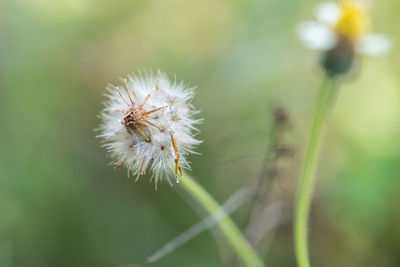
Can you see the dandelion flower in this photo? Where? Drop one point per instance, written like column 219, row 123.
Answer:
column 342, row 30
column 148, row 125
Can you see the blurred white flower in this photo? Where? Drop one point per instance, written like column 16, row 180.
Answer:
column 346, row 21
column 149, row 125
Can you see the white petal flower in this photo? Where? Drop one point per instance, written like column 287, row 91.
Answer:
column 149, row 125
column 344, row 20
column 317, row 35
column 328, row 13
column 341, row 31
column 374, row 45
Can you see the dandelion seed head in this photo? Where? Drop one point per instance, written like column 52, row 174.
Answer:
column 148, row 125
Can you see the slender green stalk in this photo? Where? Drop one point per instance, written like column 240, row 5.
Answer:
column 307, row 177
column 246, row 253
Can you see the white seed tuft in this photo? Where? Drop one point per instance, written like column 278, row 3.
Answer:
column 149, row 126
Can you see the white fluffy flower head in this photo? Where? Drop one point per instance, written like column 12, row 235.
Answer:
column 347, row 19
column 148, row 125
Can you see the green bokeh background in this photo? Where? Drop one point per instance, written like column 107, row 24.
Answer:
column 61, row 204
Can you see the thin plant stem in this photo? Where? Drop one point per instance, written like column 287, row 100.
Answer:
column 244, row 250
column 236, row 200
column 307, row 175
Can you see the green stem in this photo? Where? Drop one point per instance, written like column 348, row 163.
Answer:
column 307, row 177
column 228, row 227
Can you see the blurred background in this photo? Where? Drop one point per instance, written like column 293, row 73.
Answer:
column 62, row 204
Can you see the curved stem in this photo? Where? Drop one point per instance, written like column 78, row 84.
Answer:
column 246, row 253
column 307, row 178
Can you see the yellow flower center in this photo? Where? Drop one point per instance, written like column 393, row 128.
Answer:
column 354, row 20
